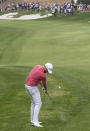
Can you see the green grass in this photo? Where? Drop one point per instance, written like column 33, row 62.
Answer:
column 63, row 41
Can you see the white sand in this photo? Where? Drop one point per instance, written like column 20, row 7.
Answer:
column 9, row 16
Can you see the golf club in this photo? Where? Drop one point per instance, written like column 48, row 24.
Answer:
column 50, row 98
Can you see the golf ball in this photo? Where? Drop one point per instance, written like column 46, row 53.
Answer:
column 59, row 87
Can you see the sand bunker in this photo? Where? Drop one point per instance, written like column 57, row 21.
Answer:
column 10, row 16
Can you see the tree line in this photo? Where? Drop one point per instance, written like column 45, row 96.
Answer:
column 84, row 2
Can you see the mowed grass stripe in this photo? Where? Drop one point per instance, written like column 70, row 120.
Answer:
column 60, row 36
column 64, row 41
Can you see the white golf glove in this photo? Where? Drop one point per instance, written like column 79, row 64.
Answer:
column 44, row 90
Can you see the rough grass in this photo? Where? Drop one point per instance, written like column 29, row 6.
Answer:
column 63, row 41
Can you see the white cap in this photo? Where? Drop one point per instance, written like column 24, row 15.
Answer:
column 49, row 67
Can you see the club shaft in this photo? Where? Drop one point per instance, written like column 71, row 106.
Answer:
column 50, row 97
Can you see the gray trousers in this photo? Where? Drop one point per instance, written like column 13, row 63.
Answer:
column 35, row 102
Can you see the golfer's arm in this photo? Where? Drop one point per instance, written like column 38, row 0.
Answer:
column 43, row 84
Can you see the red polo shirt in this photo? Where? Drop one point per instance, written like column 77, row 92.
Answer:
column 35, row 76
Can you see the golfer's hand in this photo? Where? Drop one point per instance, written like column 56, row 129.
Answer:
column 44, row 90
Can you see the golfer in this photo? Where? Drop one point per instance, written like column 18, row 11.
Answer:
column 35, row 77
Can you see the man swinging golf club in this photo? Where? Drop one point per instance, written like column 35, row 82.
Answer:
column 35, row 77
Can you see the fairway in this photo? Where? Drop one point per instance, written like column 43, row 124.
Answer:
column 63, row 41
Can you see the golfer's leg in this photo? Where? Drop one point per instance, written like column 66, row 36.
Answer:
column 38, row 103
column 32, row 102
column 32, row 110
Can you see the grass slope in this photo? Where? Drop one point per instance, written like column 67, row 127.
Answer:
column 64, row 41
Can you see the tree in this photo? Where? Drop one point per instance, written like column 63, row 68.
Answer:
column 84, row 2
column 72, row 1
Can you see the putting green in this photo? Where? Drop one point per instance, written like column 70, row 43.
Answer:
column 63, row 41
